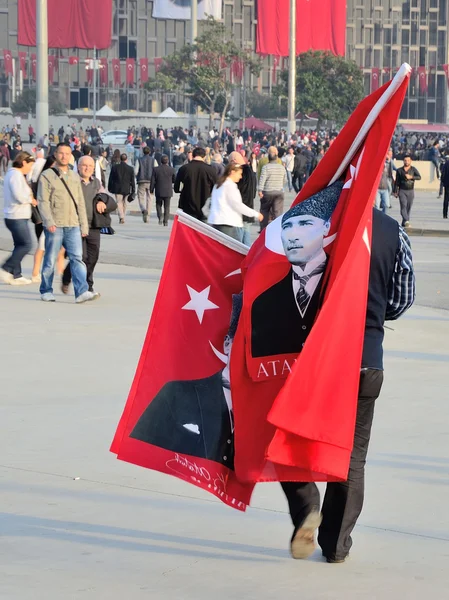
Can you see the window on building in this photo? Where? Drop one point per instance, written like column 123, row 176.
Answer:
column 405, row 37
column 414, row 30
column 433, row 29
column 377, row 33
column 442, row 13
column 441, row 47
column 424, row 11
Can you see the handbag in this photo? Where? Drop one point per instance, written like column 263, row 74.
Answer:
column 107, row 231
column 35, row 215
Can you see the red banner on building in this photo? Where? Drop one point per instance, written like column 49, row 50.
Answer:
column 130, row 64
column 116, row 71
column 71, row 24
column 320, row 25
column 422, row 74
column 446, row 72
column 23, row 62
column 104, row 75
column 89, row 71
column 7, row 60
column 157, row 64
column 73, row 60
column 51, row 69
column 33, row 66
column 375, row 74
column 143, row 70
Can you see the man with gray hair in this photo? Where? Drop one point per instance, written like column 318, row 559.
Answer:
column 273, row 179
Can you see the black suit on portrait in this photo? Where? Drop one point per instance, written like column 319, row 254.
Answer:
column 277, row 326
column 200, row 402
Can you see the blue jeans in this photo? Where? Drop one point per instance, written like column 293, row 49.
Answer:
column 382, row 200
column 289, row 180
column 70, row 238
column 22, row 245
column 246, row 234
column 234, row 232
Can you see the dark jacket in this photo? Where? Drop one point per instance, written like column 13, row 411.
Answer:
column 146, row 167
column 202, row 406
column 197, row 179
column 445, row 173
column 300, row 164
column 92, row 196
column 122, row 180
column 402, row 183
column 248, row 187
column 162, row 181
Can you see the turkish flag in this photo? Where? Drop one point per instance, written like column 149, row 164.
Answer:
column 104, row 75
column 115, row 62
column 422, row 74
column 130, row 64
column 178, row 417
column 33, row 66
column 143, row 70
column 237, row 69
column 375, row 74
column 7, row 61
column 22, row 62
column 89, row 71
column 51, row 69
column 157, row 64
column 73, row 60
column 295, row 412
column 446, row 71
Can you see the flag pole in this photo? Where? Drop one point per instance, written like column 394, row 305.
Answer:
column 94, row 111
column 193, row 36
column 292, row 71
column 41, row 69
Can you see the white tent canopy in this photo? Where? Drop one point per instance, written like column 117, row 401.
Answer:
column 168, row 113
column 106, row 111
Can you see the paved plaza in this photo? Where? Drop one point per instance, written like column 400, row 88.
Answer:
column 75, row 523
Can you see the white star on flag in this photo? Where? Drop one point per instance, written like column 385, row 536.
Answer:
column 199, row 302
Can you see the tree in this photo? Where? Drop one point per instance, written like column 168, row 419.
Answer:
column 26, row 103
column 329, row 85
column 264, row 106
column 208, row 70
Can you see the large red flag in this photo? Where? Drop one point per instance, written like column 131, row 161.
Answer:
column 115, row 62
column 71, row 24
column 51, row 68
column 375, row 74
column 295, row 410
column 104, row 75
column 422, row 74
column 22, row 62
column 7, row 61
column 143, row 70
column 178, row 418
column 320, row 25
column 130, row 64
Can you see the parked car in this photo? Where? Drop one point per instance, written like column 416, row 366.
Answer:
column 115, row 136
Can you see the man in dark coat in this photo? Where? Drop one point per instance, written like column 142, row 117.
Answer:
column 445, row 184
column 144, row 174
column 162, row 184
column 122, row 183
column 247, row 188
column 195, row 417
column 197, row 179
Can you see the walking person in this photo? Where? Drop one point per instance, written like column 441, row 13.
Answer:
column 4, row 157
column 299, row 171
column 227, row 207
column 98, row 207
column 434, row 157
column 273, row 179
column 18, row 200
column 162, row 182
column 122, row 183
column 197, row 180
column 63, row 213
column 404, row 188
column 383, row 191
column 144, row 173
column 288, row 161
column 445, row 184
column 247, row 188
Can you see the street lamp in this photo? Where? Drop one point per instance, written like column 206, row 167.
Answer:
column 93, row 64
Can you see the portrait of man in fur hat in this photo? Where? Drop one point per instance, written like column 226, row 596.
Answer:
column 283, row 315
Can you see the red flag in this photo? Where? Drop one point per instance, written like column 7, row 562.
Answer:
column 33, row 66
column 22, row 62
column 89, row 71
column 157, row 64
column 7, row 61
column 143, row 70
column 422, row 74
column 446, row 71
column 104, row 75
column 73, row 60
column 130, row 64
column 320, row 25
column 116, row 71
column 237, row 69
column 290, row 432
column 276, row 60
column 178, row 417
column 375, row 73
column 51, row 69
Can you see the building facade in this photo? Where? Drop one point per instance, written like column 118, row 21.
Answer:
column 381, row 34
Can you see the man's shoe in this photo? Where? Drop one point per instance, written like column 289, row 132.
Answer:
column 160, row 221
column 335, row 561
column 65, row 288
column 302, row 544
column 145, row 216
column 36, row 279
column 20, row 281
column 165, row 224
column 5, row 276
column 48, row 297
column 87, row 297
column 407, row 224
column 122, row 221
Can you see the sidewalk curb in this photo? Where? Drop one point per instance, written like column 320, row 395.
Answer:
column 416, row 231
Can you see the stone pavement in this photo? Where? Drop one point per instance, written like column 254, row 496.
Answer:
column 76, row 524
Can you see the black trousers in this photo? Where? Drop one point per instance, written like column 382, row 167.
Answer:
column 343, row 501
column 297, row 181
column 165, row 202
column 445, row 202
column 91, row 252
